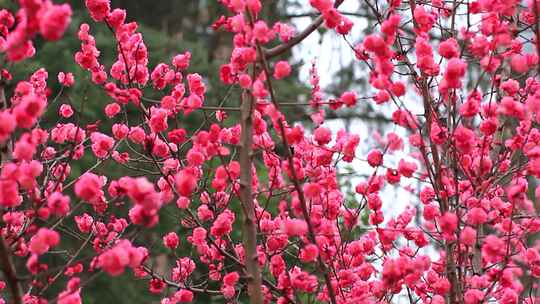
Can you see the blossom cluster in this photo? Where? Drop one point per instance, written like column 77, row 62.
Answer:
column 261, row 209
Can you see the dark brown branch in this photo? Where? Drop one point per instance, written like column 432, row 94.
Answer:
column 5, row 147
column 429, row 113
column 9, row 272
column 303, row 15
column 246, row 196
column 282, row 48
column 173, row 284
column 376, row 117
column 296, row 183
column 5, row 259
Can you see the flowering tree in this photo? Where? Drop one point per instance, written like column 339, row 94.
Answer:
column 260, row 214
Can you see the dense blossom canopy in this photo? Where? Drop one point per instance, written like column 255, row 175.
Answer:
column 260, row 212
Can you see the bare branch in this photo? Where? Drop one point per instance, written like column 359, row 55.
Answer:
column 282, row 48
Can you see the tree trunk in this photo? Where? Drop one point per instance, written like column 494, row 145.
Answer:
column 246, row 196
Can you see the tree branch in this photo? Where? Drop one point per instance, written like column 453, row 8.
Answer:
column 246, row 196
column 9, row 272
column 282, row 48
column 5, row 259
column 298, row 188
